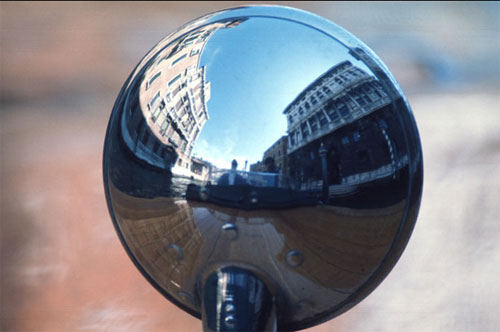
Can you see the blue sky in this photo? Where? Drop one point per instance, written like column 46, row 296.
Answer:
column 255, row 70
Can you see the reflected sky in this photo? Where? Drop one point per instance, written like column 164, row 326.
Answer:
column 249, row 69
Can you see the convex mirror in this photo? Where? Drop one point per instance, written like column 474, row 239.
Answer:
column 262, row 169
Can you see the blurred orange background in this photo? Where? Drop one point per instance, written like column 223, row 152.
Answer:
column 62, row 66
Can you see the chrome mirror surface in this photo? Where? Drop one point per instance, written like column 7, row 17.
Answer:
column 267, row 139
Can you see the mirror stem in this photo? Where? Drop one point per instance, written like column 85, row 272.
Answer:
column 235, row 299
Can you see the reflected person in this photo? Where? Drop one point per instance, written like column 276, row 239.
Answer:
column 232, row 177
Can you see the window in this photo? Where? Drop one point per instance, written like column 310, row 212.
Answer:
column 374, row 92
column 184, row 111
column 343, row 110
column 332, row 113
column 179, row 59
column 169, row 131
column 156, row 113
column 155, row 76
column 345, row 140
column 164, row 126
column 194, row 52
column 175, row 79
column 305, row 129
column 307, row 106
column 360, row 100
column 160, row 118
column 174, row 92
column 322, row 118
column 326, row 90
column 356, row 136
column 156, row 146
column 366, row 98
column 178, row 106
column 154, row 99
column 313, row 124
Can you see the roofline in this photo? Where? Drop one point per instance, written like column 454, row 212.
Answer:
column 315, row 82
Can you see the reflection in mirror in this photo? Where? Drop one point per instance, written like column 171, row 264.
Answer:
column 264, row 139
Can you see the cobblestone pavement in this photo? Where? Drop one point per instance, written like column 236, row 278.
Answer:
column 62, row 266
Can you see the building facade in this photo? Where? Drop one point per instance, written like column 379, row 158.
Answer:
column 350, row 113
column 278, row 152
column 172, row 99
column 342, row 95
column 201, row 169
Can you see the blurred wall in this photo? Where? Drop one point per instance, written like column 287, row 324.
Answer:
column 61, row 68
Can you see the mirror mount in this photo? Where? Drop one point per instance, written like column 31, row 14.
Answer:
column 235, row 299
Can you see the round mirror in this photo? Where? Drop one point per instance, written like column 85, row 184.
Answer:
column 263, row 150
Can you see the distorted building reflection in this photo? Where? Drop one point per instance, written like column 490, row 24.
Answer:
column 171, row 243
column 278, row 153
column 200, row 168
column 344, row 141
column 169, row 110
column 349, row 115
